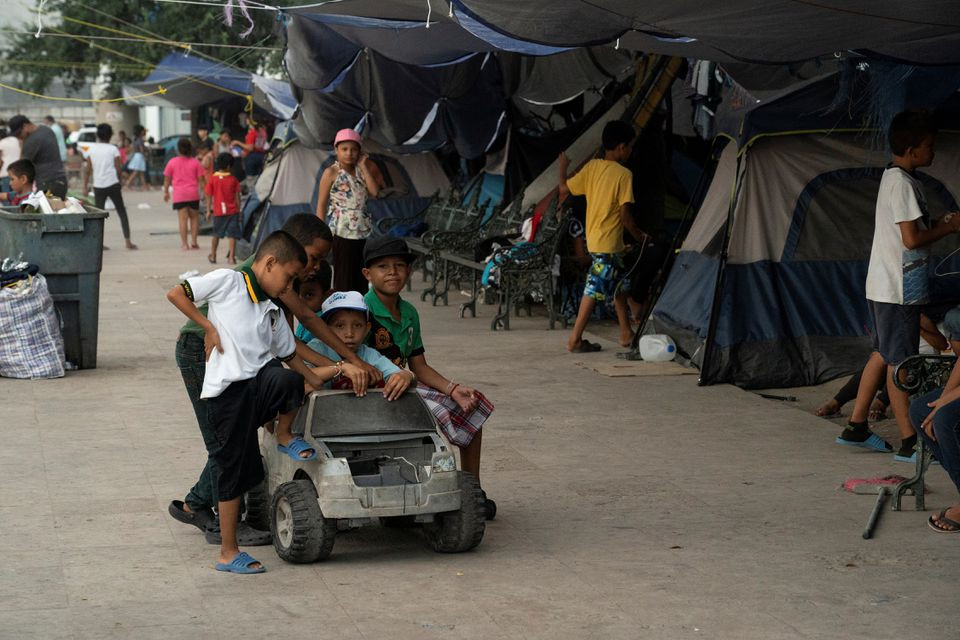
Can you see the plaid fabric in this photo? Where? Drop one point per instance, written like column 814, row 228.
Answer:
column 30, row 342
column 458, row 427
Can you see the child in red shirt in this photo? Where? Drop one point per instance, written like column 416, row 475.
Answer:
column 225, row 191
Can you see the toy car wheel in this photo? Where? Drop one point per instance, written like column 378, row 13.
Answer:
column 300, row 531
column 460, row 530
column 258, row 507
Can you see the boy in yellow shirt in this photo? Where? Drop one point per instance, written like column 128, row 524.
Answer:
column 608, row 186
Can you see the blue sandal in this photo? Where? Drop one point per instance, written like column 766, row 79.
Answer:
column 295, row 448
column 241, row 564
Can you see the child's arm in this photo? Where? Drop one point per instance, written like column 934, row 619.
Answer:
column 931, row 334
column 357, row 376
column 323, row 192
column 463, row 396
column 563, row 162
column 626, row 219
column 88, row 171
column 398, row 380
column 166, row 188
column 178, row 297
column 371, row 176
column 320, row 330
column 314, row 377
column 236, row 196
column 914, row 237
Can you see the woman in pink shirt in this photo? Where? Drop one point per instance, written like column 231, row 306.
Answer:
column 186, row 174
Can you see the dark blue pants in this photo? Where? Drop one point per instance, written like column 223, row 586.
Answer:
column 946, row 428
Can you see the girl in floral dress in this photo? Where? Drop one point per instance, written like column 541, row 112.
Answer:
column 342, row 203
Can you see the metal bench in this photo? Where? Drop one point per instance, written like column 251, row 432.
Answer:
column 918, row 375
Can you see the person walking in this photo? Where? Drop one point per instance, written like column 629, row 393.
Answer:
column 103, row 164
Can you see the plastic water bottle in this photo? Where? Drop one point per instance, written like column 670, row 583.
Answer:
column 657, row 348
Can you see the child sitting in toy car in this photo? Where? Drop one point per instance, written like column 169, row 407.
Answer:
column 345, row 312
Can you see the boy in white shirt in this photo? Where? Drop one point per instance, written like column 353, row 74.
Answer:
column 244, row 383
column 897, row 276
column 103, row 164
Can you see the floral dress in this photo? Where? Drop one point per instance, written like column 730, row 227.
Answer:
column 347, row 210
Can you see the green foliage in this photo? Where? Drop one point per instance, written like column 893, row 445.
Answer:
column 39, row 61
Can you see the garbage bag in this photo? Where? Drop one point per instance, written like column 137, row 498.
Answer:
column 31, row 345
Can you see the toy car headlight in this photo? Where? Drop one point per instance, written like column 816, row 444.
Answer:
column 443, row 462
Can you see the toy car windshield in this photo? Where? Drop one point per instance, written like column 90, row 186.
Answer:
column 344, row 414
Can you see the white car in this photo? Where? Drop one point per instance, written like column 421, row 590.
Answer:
column 85, row 134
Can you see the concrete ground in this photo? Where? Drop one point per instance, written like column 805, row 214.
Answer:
column 629, row 507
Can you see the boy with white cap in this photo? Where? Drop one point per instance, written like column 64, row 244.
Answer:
column 346, row 313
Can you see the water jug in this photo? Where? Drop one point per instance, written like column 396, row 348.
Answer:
column 657, row 348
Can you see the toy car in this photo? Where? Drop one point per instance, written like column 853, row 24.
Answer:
column 376, row 460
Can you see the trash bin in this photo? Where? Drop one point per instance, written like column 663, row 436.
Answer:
column 68, row 248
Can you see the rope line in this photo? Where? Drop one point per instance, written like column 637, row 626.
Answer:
column 160, row 91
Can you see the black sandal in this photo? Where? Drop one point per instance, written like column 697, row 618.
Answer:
column 199, row 519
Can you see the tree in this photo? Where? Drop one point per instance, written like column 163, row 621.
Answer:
column 63, row 52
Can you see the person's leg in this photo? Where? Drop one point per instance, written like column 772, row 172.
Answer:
column 900, row 401
column 623, row 318
column 194, row 215
column 229, row 515
column 857, row 431
column 279, row 395
column 191, row 361
column 99, row 197
column 232, row 253
column 214, row 243
column 945, row 447
column 470, row 455
column 182, row 219
column 587, row 304
column 116, row 196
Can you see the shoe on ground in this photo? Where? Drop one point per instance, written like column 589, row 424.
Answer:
column 863, row 438
column 247, row 536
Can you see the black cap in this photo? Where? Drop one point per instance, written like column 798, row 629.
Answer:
column 16, row 123
column 383, row 246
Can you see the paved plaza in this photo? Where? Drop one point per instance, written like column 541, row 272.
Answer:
column 630, row 507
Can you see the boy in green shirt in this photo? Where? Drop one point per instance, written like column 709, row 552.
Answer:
column 395, row 333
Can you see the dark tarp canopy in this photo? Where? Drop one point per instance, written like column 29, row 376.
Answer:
column 779, row 31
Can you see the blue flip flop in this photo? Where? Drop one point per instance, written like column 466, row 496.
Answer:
column 874, row 442
column 295, row 448
column 241, row 564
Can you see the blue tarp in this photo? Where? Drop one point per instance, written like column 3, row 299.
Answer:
column 190, row 81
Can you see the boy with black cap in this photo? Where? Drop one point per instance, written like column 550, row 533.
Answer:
column 395, row 332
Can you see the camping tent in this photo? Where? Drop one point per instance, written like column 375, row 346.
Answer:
column 288, row 184
column 768, row 287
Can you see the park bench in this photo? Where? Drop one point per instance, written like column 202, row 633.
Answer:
column 918, row 375
column 528, row 271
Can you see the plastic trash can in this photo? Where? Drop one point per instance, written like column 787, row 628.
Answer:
column 69, row 251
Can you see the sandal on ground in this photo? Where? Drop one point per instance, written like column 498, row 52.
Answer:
column 876, row 415
column 200, row 519
column 194, row 246
column 247, row 536
column 863, row 437
column 942, row 524
column 241, row 564
column 586, row 346
column 211, row 259
column 297, row 446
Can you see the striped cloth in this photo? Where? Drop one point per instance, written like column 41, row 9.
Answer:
column 30, row 342
column 458, row 427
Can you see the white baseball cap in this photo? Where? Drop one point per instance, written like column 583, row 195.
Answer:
column 352, row 300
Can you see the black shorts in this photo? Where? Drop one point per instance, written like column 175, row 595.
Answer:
column 896, row 330
column 237, row 413
column 227, row 226
column 193, row 204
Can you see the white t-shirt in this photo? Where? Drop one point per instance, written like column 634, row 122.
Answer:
column 10, row 147
column 252, row 330
column 102, row 156
column 896, row 274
